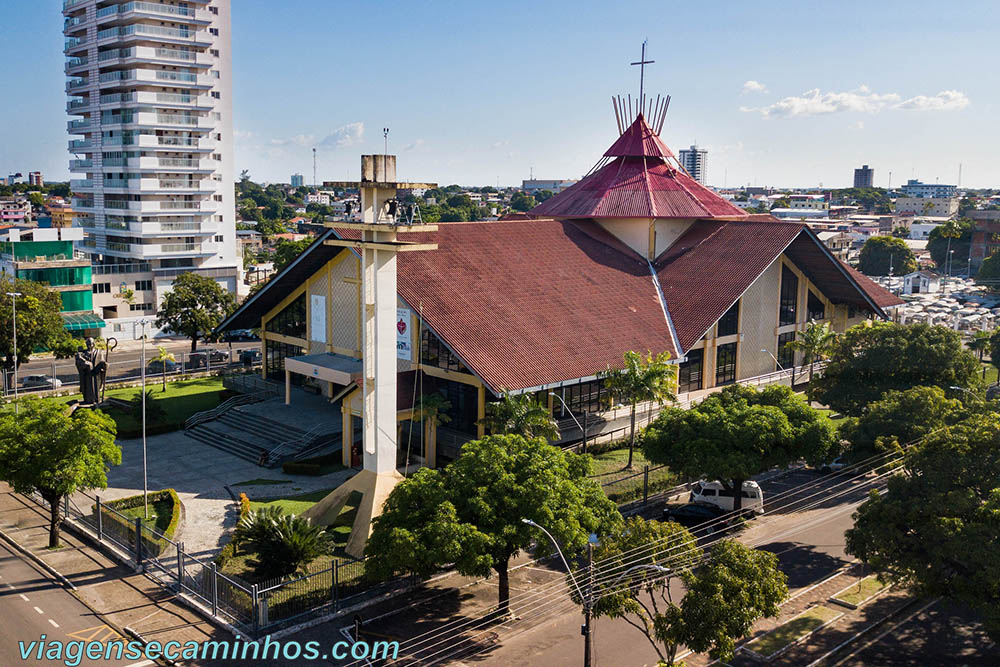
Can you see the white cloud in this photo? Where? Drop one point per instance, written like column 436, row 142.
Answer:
column 345, row 135
column 862, row 100
column 297, row 140
column 413, row 145
column 499, row 144
column 946, row 100
column 752, row 86
column 726, row 148
column 860, row 125
column 240, row 135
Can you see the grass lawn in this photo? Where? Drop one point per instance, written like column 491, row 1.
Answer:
column 835, row 417
column 615, row 460
column 861, row 591
column 181, row 400
column 623, row 485
column 293, row 504
column 792, row 630
column 990, row 373
column 159, row 514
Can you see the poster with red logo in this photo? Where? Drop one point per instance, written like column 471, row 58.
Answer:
column 404, row 341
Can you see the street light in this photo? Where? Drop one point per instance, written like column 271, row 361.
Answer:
column 582, row 427
column 969, row 392
column 770, row 354
column 13, row 304
column 590, row 599
column 145, row 484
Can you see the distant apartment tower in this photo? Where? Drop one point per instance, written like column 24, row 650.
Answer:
column 150, row 93
column 35, row 179
column 695, row 162
column 864, row 177
column 298, row 181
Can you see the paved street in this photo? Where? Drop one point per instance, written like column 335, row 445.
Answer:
column 32, row 605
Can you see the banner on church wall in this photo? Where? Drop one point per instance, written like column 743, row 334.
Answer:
column 317, row 325
column 404, row 340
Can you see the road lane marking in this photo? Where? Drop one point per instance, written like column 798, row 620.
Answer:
column 54, row 624
column 23, row 596
column 39, row 611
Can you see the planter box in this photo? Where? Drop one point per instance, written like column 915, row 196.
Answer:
column 801, row 626
column 868, row 593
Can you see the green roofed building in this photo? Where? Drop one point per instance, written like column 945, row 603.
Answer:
column 47, row 256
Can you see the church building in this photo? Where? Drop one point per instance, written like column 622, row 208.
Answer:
column 635, row 256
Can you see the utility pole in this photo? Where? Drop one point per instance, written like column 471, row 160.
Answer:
column 315, row 186
column 13, row 304
column 588, row 607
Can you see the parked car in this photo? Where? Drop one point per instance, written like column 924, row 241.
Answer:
column 218, row 355
column 239, row 335
column 156, row 366
column 41, row 382
column 716, row 494
column 249, row 357
column 200, row 359
column 691, row 515
column 838, row 463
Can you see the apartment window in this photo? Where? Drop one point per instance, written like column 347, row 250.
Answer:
column 786, row 356
column 816, row 307
column 730, row 322
column 214, row 31
column 590, row 396
column 143, row 285
column 141, row 307
column 789, row 297
column 214, row 52
column 218, row 239
column 217, row 96
column 102, row 288
column 725, row 364
column 690, row 372
column 217, row 197
column 214, row 10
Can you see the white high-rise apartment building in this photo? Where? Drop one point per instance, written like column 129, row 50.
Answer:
column 695, row 162
column 150, row 94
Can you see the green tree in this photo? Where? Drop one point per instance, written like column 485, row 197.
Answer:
column 522, row 202
column 738, row 432
column 901, row 232
column 519, row 414
column 39, row 325
column 45, row 449
column 951, row 236
column 868, row 361
column 635, row 590
column 154, row 411
column 37, row 200
column 935, row 528
column 815, row 344
column 649, row 379
column 989, row 272
column 287, row 251
column 284, row 544
column 163, row 357
column 899, row 418
column 982, row 341
column 543, row 195
column 880, row 253
column 727, row 595
column 194, row 306
column 470, row 512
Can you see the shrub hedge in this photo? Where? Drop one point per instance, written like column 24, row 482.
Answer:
column 299, row 468
column 150, row 545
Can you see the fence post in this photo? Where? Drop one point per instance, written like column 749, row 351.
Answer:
column 100, row 520
column 254, row 609
column 645, row 484
column 180, row 567
column 334, row 593
column 138, row 542
column 215, row 589
column 65, row 507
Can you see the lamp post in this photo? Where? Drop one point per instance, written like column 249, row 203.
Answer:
column 969, row 392
column 583, row 427
column 13, row 304
column 142, row 363
column 776, row 362
column 589, row 599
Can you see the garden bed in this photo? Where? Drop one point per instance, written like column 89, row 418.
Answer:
column 768, row 646
column 859, row 594
column 165, row 518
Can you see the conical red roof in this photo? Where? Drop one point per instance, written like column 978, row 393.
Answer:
column 639, row 140
column 638, row 183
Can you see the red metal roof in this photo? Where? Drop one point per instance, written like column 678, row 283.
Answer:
column 639, row 140
column 639, row 182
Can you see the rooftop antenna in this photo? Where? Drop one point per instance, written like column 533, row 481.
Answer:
column 959, row 174
column 385, row 138
column 642, row 72
column 315, row 186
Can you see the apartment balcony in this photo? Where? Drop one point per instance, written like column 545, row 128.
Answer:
column 73, row 44
column 81, row 164
column 132, row 77
column 68, row 4
column 156, row 120
column 170, row 143
column 153, row 185
column 170, row 164
column 143, row 31
column 72, row 84
column 76, row 63
column 131, row 11
column 156, row 250
column 79, row 145
column 160, row 206
column 156, row 54
column 78, row 184
column 167, row 100
column 74, row 106
column 77, row 126
column 153, row 229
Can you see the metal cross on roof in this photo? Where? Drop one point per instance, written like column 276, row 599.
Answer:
column 642, row 68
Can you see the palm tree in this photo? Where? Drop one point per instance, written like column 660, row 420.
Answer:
column 163, row 357
column 815, row 344
column 519, row 415
column 649, row 379
column 432, row 411
column 284, row 544
column 980, row 342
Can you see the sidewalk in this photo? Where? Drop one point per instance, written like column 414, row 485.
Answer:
column 120, row 596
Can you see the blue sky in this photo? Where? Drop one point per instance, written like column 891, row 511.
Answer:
column 477, row 93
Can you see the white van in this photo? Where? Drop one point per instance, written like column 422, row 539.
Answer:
column 716, row 494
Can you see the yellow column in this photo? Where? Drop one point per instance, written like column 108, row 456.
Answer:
column 480, row 429
column 288, row 387
column 430, row 444
column 346, row 436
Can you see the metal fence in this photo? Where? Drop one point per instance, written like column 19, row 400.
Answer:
column 252, row 608
column 61, row 374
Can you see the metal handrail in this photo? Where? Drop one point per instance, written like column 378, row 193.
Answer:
column 219, row 410
column 304, row 441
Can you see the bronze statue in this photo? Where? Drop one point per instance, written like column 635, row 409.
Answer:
column 92, row 369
